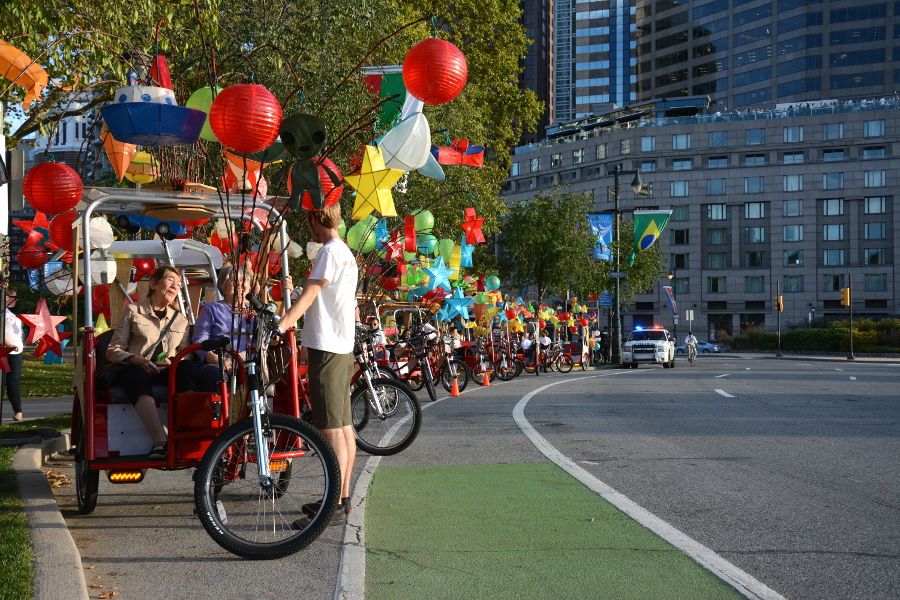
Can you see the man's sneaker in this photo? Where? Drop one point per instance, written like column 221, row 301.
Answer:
column 18, row 416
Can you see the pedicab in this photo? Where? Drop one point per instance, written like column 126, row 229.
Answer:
column 245, row 441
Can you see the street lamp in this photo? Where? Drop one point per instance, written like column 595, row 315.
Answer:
column 673, row 278
column 636, row 186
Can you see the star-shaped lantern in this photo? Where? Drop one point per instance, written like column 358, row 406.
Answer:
column 38, row 230
column 443, row 314
column 373, row 186
column 459, row 304
column 46, row 343
column 42, row 324
column 465, row 253
column 409, row 234
column 381, row 234
column 472, row 227
column 439, row 274
column 393, row 249
column 5, row 351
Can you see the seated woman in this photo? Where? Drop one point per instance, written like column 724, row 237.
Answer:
column 150, row 334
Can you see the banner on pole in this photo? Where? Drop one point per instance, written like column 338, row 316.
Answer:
column 670, row 294
column 601, row 225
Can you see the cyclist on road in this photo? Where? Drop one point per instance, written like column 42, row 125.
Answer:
column 691, row 342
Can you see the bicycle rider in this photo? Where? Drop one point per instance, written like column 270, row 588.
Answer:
column 691, row 342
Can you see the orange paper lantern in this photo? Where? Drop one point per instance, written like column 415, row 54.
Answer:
column 118, row 153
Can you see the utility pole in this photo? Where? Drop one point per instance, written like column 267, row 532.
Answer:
column 847, row 300
column 636, row 186
column 779, row 308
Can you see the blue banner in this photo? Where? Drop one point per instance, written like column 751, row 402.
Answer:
column 601, row 225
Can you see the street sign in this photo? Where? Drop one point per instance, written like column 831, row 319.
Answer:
column 689, row 315
column 618, row 275
column 675, row 319
column 605, row 300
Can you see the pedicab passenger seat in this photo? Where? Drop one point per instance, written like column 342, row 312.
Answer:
column 115, row 394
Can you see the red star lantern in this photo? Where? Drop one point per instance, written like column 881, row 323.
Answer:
column 38, row 230
column 393, row 249
column 409, row 234
column 43, row 324
column 436, row 295
column 472, row 227
column 45, row 344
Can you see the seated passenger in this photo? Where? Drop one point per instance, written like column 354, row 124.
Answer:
column 150, row 334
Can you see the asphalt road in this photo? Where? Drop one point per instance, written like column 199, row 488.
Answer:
column 793, row 478
column 35, row 408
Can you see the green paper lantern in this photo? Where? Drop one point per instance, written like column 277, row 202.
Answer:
column 492, row 283
column 361, row 236
column 202, row 99
column 424, row 221
column 426, row 243
column 342, row 229
column 445, row 249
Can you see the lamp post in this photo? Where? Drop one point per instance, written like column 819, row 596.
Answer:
column 673, row 278
column 636, row 186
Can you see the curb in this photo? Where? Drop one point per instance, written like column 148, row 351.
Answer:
column 58, row 571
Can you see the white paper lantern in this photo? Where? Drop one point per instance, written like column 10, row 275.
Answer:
column 101, row 233
column 103, row 269
column 60, row 283
column 407, row 145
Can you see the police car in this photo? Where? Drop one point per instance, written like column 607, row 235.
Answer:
column 655, row 346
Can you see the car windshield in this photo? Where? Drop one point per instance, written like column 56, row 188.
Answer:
column 641, row 336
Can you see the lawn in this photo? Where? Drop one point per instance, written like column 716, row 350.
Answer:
column 15, row 542
column 46, row 381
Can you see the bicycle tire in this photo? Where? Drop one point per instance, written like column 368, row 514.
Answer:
column 428, row 380
column 564, row 363
column 87, row 480
column 462, row 375
column 268, row 531
column 403, row 418
column 504, row 369
column 388, row 372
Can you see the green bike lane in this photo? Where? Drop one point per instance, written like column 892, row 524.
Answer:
column 474, row 510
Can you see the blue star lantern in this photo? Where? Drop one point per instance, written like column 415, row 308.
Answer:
column 444, row 314
column 458, row 304
column 439, row 274
column 381, row 234
column 465, row 253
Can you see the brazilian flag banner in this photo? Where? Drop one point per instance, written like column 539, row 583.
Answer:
column 648, row 226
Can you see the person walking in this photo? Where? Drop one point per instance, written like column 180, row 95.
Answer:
column 13, row 338
column 328, row 305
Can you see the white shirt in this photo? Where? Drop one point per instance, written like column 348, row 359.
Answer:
column 13, row 332
column 690, row 341
column 330, row 321
column 526, row 343
column 544, row 340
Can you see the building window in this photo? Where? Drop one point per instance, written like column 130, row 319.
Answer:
column 833, row 258
column 833, row 233
column 682, row 164
column 716, row 237
column 874, row 205
column 793, row 134
column 793, row 258
column 716, row 212
column 755, row 210
column 793, row 158
column 555, row 160
column 833, row 207
column 873, row 128
column 754, row 284
column 648, row 143
column 792, row 183
column 679, row 261
column 876, row 282
column 682, row 286
column 793, row 208
column 875, row 231
column 755, row 160
column 718, row 139
column 624, row 146
column 717, row 260
column 753, row 185
column 715, row 285
column 514, row 170
column 578, row 156
column 535, row 165
column 717, row 162
column 680, row 213
column 833, row 181
column 715, row 187
column 756, row 137
column 874, row 179
column 601, row 151
column 874, row 256
column 648, row 166
column 678, row 189
column 793, row 284
column 874, row 152
column 793, row 233
column 755, row 259
column 833, row 131
column 755, row 235
column 681, row 237
column 832, row 155
column 681, row 141
column 833, row 283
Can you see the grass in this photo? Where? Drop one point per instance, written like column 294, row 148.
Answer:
column 46, row 381
column 15, row 542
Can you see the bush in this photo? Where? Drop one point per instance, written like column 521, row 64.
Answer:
column 755, row 339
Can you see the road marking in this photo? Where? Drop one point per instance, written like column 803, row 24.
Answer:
column 723, row 393
column 836, row 369
column 852, row 378
column 722, row 375
column 743, row 582
column 747, row 368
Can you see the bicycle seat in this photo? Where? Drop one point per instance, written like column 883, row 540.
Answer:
column 218, row 343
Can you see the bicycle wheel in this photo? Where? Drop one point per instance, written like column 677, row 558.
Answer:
column 387, row 372
column 428, row 379
column 563, row 363
column 393, row 426
column 87, row 480
column 256, row 522
column 505, row 369
column 462, row 375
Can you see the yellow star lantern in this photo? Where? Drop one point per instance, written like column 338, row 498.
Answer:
column 373, row 186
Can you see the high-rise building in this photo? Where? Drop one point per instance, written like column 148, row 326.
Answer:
column 746, row 53
column 538, row 75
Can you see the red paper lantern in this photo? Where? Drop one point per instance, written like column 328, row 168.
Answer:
column 542, row 323
column 223, row 244
column 32, row 256
column 583, row 322
column 60, row 229
column 390, row 284
column 510, row 313
column 141, row 268
column 52, row 188
column 245, row 117
column 435, row 71
column 564, row 316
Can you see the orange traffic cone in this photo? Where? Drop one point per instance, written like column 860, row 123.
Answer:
column 454, row 389
column 486, row 379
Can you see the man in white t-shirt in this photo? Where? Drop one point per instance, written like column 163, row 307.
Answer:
column 328, row 303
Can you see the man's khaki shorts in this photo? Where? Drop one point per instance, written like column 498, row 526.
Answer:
column 329, row 388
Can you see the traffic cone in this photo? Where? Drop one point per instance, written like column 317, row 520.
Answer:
column 454, row 389
column 485, row 380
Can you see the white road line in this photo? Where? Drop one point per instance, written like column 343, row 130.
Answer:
column 743, row 582
column 852, row 378
column 722, row 375
column 723, row 393
column 747, row 369
column 836, row 369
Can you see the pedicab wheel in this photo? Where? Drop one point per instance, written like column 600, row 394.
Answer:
column 388, row 372
column 87, row 481
column 390, row 425
column 462, row 375
column 415, row 382
column 564, row 363
column 257, row 521
column 505, row 370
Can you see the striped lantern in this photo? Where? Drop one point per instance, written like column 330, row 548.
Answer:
column 435, row 71
column 245, row 117
column 52, row 188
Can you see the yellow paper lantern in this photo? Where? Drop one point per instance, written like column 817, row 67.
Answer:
column 143, row 168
